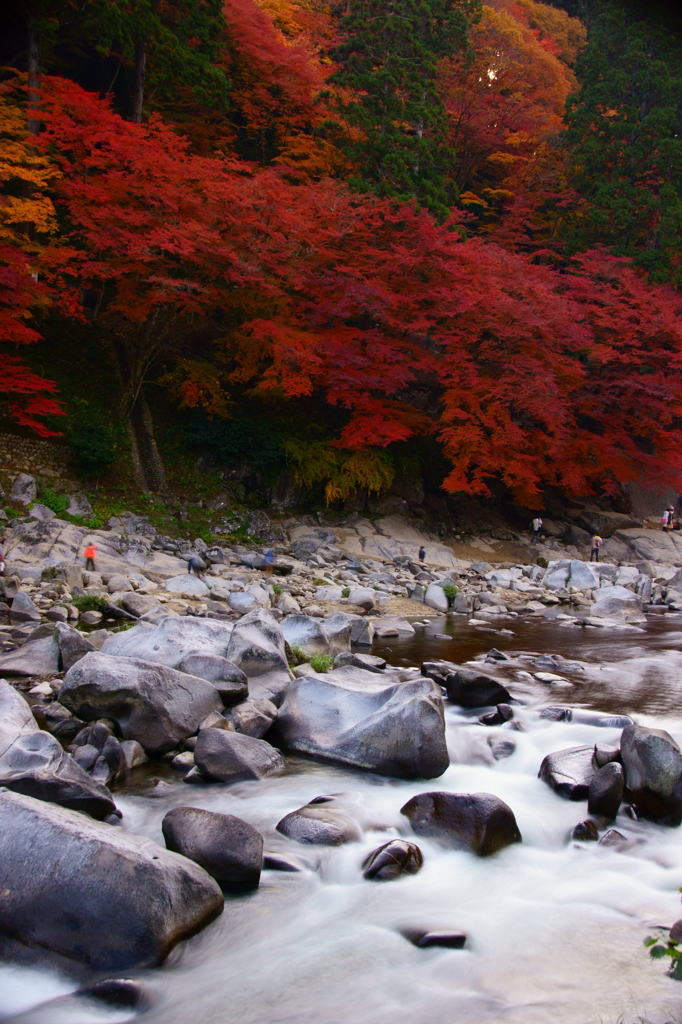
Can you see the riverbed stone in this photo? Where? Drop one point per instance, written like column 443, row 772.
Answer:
column 34, row 658
column 228, row 848
column 392, row 860
column 321, row 824
column 24, row 489
column 567, row 572
column 23, row 609
column 471, row 689
column 171, row 641
column 479, row 822
column 363, row 597
column 358, row 718
column 306, row 633
column 435, row 598
column 115, row 901
column 153, row 704
column 257, row 645
column 569, row 772
column 585, row 832
column 370, row 662
column 225, row 756
column 253, row 717
column 652, row 762
column 606, row 790
column 72, row 645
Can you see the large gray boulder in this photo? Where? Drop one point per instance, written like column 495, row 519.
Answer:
column 153, row 704
column 571, row 573
column 24, row 489
column 305, row 632
column 569, row 772
column 93, row 893
column 652, row 762
column 435, row 598
column 35, row 658
column 233, row 757
column 606, row 790
column 479, row 822
column 359, row 718
column 228, row 848
column 257, row 645
column 23, row 609
column 35, row 764
column 72, row 645
column 472, row 689
column 617, row 603
column 172, row 640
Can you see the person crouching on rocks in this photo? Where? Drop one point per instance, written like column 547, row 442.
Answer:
column 596, row 544
column 89, row 554
column 195, row 565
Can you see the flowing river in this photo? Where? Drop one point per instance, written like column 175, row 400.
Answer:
column 555, row 928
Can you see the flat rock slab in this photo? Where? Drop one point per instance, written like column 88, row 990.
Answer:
column 114, row 901
column 171, row 641
column 188, row 583
column 35, row 658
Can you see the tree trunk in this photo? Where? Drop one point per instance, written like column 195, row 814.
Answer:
column 140, row 74
column 148, row 466
column 33, row 111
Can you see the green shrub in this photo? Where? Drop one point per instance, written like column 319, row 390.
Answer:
column 93, row 442
column 541, row 561
column 90, row 603
column 276, row 589
column 57, row 502
column 321, row 662
column 345, row 592
column 450, row 591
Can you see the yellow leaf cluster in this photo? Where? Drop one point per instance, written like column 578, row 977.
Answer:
column 25, row 178
column 342, row 473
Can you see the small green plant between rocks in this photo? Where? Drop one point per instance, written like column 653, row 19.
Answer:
column 666, row 943
column 321, row 662
column 276, row 589
column 450, row 591
column 345, row 592
column 90, row 603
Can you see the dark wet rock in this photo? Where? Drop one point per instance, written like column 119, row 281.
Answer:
column 426, row 940
column 367, row 661
column 153, row 704
column 614, row 839
column 228, row 848
column 232, row 757
column 362, row 719
column 321, row 824
column 253, row 717
column 479, row 822
column 583, row 717
column 34, row 658
column 585, row 831
column 256, row 645
column 653, row 773
column 503, row 713
column 472, row 689
column 501, row 748
column 122, row 993
column 495, row 655
column 72, row 645
column 61, row 723
column 606, row 790
column 183, row 762
column 604, row 754
column 569, row 772
column 675, row 933
column 282, row 862
column 392, row 860
column 546, row 663
column 115, row 901
column 438, row 671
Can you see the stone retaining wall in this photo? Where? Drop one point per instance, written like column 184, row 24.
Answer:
column 35, row 455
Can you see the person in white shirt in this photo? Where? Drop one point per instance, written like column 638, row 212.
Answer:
column 537, row 528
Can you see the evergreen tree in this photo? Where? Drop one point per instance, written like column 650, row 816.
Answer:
column 389, row 64
column 625, row 135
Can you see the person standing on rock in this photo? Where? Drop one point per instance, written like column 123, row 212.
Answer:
column 195, row 565
column 537, row 528
column 667, row 518
column 422, row 553
column 269, row 559
column 596, row 544
column 90, row 553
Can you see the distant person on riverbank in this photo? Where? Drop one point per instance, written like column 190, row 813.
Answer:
column 90, row 553
column 537, row 528
column 195, row 565
column 667, row 518
column 422, row 553
column 596, row 544
column 269, row 559
column 2, row 564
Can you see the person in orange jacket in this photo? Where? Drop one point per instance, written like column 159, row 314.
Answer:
column 90, row 553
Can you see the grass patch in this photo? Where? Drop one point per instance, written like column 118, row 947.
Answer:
column 321, row 662
column 345, row 592
column 90, row 603
column 276, row 589
column 320, row 583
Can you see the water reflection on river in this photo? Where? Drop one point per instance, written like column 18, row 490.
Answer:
column 555, row 929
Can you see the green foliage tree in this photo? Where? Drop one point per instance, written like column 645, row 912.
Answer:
column 625, row 136
column 388, row 66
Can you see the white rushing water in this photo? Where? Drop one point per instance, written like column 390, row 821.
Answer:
column 555, row 928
